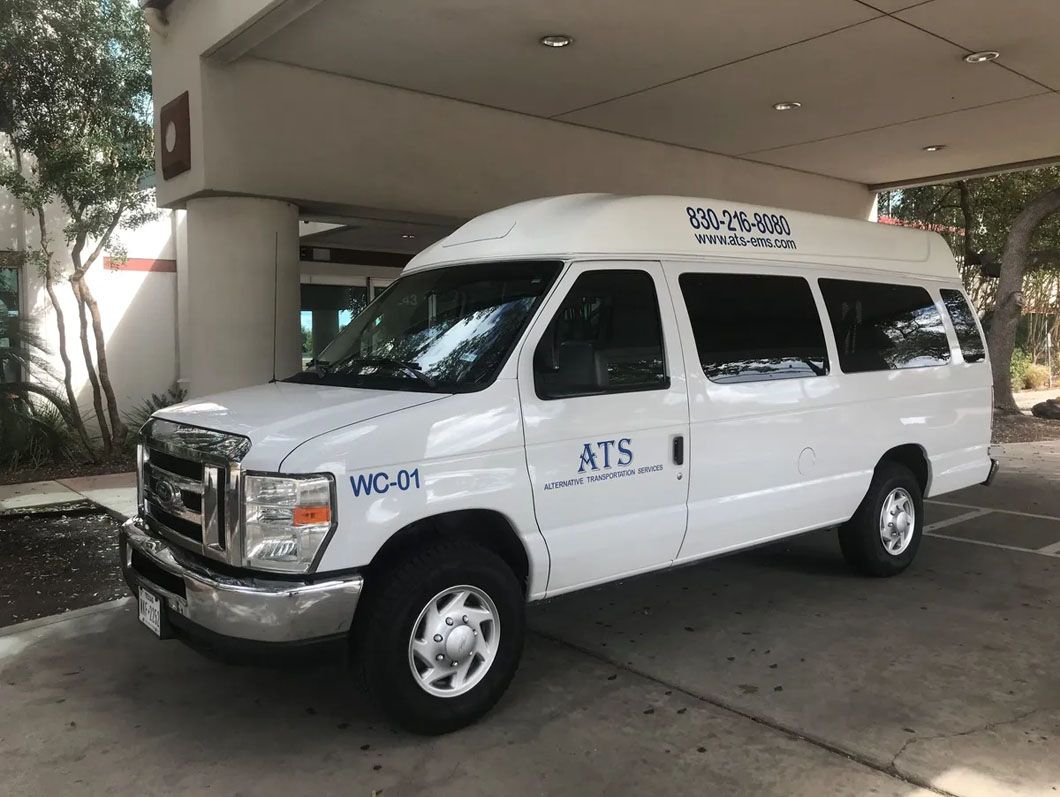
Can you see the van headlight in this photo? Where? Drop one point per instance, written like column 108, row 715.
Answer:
column 286, row 520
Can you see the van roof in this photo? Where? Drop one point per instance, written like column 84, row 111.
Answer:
column 653, row 227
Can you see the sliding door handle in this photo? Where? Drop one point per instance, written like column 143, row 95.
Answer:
column 679, row 449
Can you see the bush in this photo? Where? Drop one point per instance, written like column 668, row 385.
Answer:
column 33, row 435
column 139, row 415
column 1021, row 361
column 1036, row 377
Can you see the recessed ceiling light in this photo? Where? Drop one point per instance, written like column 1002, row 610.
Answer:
column 407, row 236
column 934, row 147
column 557, row 40
column 787, row 105
column 982, row 57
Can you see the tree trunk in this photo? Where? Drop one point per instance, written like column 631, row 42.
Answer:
column 86, row 352
column 118, row 428
column 1002, row 336
column 969, row 221
column 87, row 301
column 75, row 420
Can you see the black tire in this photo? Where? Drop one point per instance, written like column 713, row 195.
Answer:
column 859, row 537
column 384, row 624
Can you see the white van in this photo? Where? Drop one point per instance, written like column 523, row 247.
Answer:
column 563, row 393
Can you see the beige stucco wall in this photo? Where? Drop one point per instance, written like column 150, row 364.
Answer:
column 318, row 139
column 138, row 308
column 285, row 131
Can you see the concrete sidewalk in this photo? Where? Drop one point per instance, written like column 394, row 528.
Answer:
column 1025, row 399
column 115, row 492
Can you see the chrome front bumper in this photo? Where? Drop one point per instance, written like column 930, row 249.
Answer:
column 254, row 609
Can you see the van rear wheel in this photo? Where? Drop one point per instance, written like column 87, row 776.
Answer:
column 883, row 536
column 440, row 640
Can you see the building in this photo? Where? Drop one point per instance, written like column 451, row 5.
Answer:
column 311, row 143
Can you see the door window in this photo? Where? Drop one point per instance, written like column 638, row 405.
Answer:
column 963, row 318
column 752, row 328
column 882, row 327
column 605, row 338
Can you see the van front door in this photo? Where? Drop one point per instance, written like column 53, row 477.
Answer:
column 605, row 411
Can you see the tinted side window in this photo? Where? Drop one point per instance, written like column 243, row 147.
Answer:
column 880, row 327
column 754, row 327
column 963, row 318
column 605, row 338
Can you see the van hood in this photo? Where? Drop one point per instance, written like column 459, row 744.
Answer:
column 280, row 416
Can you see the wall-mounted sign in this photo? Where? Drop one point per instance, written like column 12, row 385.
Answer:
column 174, row 123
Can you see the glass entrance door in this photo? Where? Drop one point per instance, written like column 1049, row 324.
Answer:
column 9, row 317
column 326, row 310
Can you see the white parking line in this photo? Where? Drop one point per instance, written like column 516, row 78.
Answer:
column 1041, row 552
column 941, row 524
column 1003, row 511
column 931, row 529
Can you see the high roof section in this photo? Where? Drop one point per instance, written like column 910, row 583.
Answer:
column 878, row 80
column 605, row 226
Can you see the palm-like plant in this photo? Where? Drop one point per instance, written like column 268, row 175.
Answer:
column 35, row 422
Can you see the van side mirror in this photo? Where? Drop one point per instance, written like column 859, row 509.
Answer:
column 546, row 355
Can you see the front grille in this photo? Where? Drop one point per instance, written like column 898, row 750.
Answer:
column 186, row 528
column 191, row 479
column 189, row 499
column 181, row 467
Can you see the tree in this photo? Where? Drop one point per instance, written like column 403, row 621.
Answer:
column 982, row 218
column 1014, row 261
column 75, row 103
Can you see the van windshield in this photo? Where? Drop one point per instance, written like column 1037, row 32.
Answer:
column 443, row 330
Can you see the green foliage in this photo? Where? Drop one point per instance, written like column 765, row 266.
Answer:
column 994, row 200
column 143, row 411
column 307, row 341
column 33, row 433
column 1021, row 362
column 75, row 95
column 75, row 105
column 24, row 352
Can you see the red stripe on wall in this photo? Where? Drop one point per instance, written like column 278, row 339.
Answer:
column 141, row 264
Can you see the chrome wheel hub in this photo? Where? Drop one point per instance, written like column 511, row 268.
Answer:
column 454, row 641
column 897, row 521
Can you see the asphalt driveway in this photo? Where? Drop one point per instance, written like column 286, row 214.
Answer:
column 773, row 672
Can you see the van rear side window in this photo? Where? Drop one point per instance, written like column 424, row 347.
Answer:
column 883, row 327
column 751, row 328
column 963, row 318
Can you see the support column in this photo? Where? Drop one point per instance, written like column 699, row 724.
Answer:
column 242, row 293
column 325, row 328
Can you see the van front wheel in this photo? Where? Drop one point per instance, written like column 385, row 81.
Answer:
column 882, row 537
column 441, row 639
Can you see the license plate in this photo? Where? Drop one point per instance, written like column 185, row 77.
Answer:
column 151, row 611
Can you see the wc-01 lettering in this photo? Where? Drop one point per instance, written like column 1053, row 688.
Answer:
column 381, row 482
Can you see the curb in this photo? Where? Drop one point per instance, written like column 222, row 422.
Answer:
column 73, row 614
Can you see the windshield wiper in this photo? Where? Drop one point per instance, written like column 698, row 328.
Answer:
column 410, row 368
column 817, row 370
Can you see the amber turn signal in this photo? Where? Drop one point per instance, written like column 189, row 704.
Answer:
column 311, row 515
